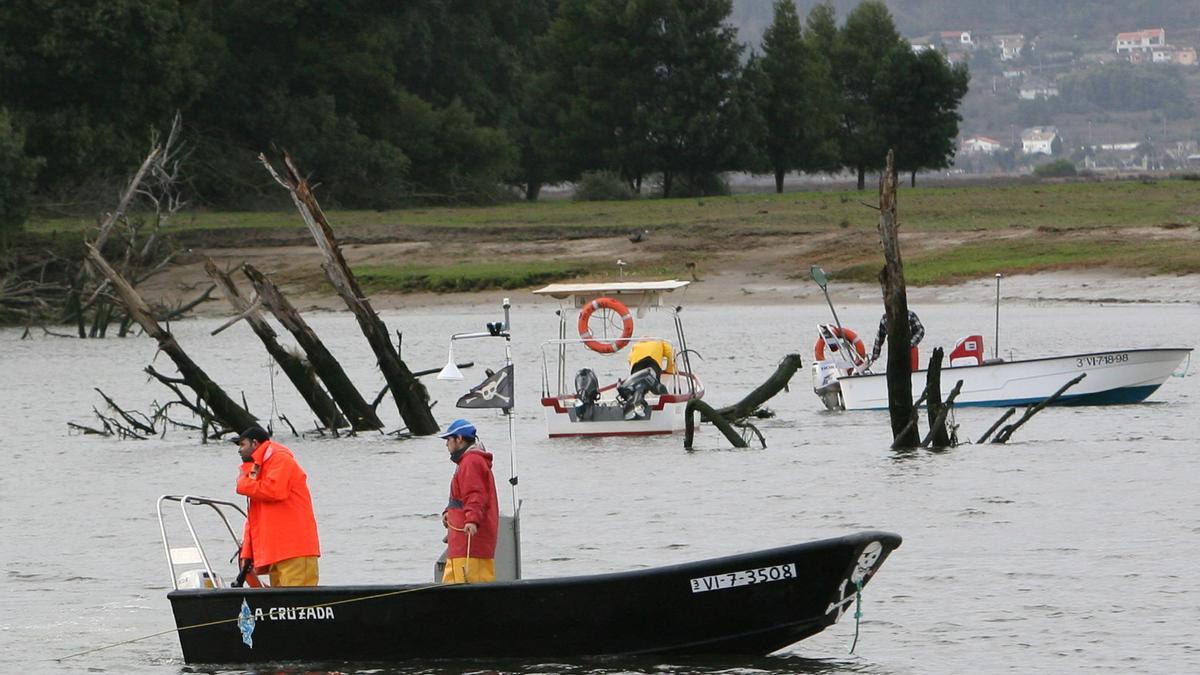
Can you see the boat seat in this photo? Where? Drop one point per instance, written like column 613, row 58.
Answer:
column 968, row 352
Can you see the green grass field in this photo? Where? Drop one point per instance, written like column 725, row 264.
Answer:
column 1059, row 205
column 1045, row 225
column 463, row 277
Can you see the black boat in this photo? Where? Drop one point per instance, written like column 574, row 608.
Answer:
column 748, row 604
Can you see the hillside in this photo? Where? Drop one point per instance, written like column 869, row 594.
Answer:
column 1064, row 75
column 1096, row 19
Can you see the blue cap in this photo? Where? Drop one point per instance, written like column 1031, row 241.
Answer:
column 459, row 428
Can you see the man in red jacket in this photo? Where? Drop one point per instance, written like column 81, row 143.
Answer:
column 281, row 531
column 472, row 515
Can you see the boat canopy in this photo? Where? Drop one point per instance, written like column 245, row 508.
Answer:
column 638, row 293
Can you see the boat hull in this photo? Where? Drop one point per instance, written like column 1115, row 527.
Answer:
column 1113, row 378
column 666, row 412
column 665, row 418
column 749, row 604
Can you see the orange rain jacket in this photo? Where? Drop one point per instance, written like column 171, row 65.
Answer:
column 280, row 523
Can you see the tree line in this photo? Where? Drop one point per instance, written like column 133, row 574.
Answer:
column 430, row 101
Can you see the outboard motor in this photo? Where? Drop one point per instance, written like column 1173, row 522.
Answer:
column 632, row 393
column 587, row 390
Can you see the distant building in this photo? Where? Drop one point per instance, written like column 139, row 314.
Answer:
column 1039, row 140
column 1184, row 56
column 1035, row 87
column 956, row 39
column 1140, row 40
column 1010, row 46
column 980, row 145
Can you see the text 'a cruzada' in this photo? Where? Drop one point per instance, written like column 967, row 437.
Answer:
column 293, row 614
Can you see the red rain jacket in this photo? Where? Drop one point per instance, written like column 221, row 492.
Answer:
column 473, row 500
column 280, row 523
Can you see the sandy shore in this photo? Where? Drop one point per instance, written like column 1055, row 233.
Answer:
column 741, row 287
column 761, row 270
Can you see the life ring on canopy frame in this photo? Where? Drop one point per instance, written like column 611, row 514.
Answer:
column 848, row 335
column 605, row 346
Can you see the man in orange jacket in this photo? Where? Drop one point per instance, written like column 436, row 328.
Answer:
column 281, row 531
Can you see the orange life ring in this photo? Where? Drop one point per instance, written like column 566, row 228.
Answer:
column 605, row 346
column 819, row 347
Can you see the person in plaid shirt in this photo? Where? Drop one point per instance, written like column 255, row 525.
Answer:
column 915, row 329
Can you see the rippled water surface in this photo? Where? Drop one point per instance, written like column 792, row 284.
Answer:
column 1071, row 548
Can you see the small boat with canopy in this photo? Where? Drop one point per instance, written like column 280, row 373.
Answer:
column 588, row 389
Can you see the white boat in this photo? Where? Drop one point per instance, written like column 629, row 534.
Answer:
column 1114, row 377
column 604, row 397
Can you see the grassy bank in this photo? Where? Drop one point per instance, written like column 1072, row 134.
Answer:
column 1059, row 205
column 948, row 233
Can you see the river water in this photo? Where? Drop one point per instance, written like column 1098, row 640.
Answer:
column 1072, row 548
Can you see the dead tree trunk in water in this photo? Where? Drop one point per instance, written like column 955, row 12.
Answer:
column 412, row 400
column 231, row 415
column 725, row 418
column 74, row 303
column 938, row 436
column 360, row 413
column 895, row 302
column 1007, row 432
column 295, row 368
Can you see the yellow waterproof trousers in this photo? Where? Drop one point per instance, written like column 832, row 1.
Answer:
column 295, row 572
column 469, row 570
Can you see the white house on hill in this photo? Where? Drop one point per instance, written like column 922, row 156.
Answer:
column 1141, row 40
column 1035, row 87
column 1038, row 140
column 980, row 145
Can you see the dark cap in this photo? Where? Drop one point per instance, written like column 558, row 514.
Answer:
column 255, row 432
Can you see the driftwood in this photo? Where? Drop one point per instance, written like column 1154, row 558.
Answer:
column 895, row 301
column 157, row 183
column 295, row 368
column 728, row 418
column 361, row 414
column 911, row 425
column 709, row 414
column 1007, row 431
column 74, row 305
column 224, row 409
column 938, row 435
column 412, row 399
column 996, row 425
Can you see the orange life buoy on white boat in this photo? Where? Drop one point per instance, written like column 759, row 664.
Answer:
column 849, row 335
column 605, row 346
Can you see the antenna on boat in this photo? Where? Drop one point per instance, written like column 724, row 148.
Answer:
column 451, row 372
column 996, row 342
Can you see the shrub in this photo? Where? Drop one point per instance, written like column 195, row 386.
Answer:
column 1056, row 169
column 598, row 186
column 17, row 172
column 702, row 185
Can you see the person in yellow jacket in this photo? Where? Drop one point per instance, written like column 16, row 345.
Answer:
column 656, row 352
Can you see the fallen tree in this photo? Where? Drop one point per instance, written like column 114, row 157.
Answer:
column 361, row 414
column 412, row 400
column 734, row 417
column 229, row 414
column 297, row 370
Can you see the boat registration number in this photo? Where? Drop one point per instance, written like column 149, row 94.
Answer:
column 1101, row 360
column 762, row 575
